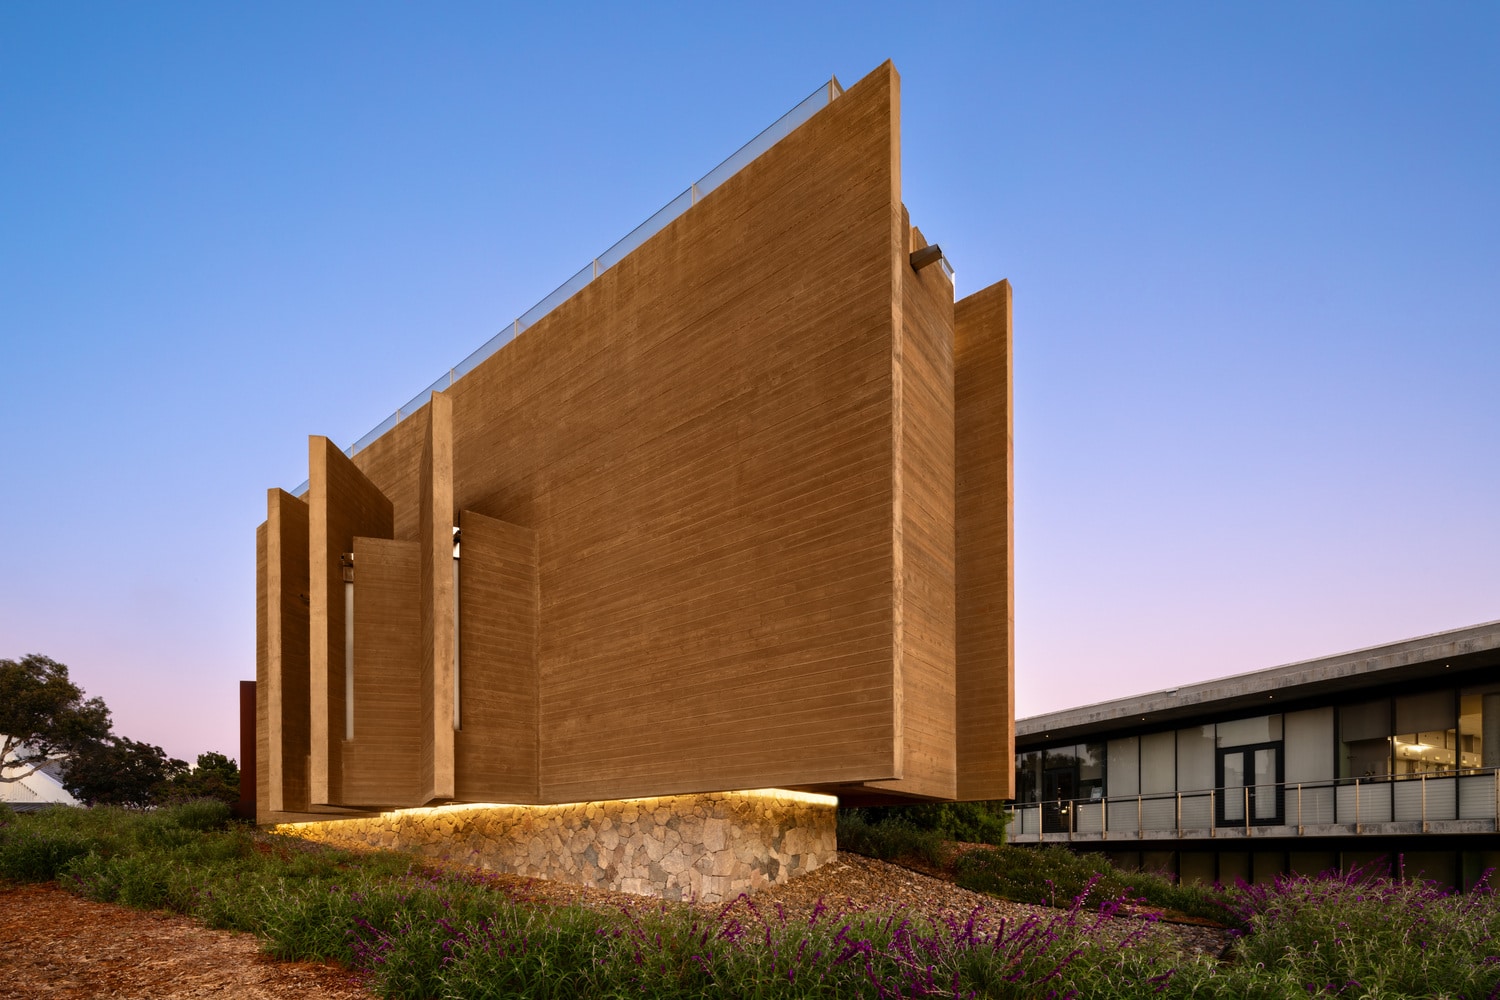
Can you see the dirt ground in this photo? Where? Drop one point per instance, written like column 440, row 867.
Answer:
column 55, row 945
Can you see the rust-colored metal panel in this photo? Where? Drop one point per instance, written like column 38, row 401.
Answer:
column 342, row 505
column 985, row 663
column 380, row 763
column 495, row 747
column 262, row 682
column 439, row 627
column 246, row 807
column 286, row 720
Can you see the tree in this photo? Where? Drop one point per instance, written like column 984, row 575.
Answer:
column 43, row 715
column 121, row 772
column 214, row 777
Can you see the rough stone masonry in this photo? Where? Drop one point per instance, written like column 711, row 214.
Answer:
column 708, row 847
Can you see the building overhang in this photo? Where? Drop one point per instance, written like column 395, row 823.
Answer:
column 1276, row 689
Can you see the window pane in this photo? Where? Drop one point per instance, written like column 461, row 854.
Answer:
column 1265, row 784
column 1418, row 712
column 1242, row 732
column 1234, row 781
column 1029, row 776
column 1195, row 758
column 1479, row 726
column 1158, row 763
column 1369, row 721
column 1123, row 769
column 1426, row 737
column 1091, row 771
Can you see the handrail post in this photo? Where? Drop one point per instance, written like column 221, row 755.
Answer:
column 1072, row 818
column 1103, row 817
column 1179, row 815
column 1247, row 810
column 1140, row 819
column 1299, row 808
column 1357, row 823
column 1213, row 814
column 1423, row 782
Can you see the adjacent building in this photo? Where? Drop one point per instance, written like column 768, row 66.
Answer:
column 1383, row 756
column 729, row 511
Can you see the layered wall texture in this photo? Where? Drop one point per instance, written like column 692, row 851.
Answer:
column 735, row 515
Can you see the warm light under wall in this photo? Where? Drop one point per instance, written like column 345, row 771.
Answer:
column 778, row 794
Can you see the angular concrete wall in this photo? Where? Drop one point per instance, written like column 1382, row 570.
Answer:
column 718, row 505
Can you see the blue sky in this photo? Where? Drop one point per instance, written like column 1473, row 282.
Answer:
column 1254, row 251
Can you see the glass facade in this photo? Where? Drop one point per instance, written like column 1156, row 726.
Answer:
column 1404, row 770
column 1421, row 755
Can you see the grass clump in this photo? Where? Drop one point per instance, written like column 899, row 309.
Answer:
column 1351, row 935
column 1055, row 876
column 889, row 838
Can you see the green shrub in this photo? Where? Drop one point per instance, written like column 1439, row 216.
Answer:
column 969, row 822
column 37, row 855
column 1056, row 876
column 198, row 814
column 889, row 839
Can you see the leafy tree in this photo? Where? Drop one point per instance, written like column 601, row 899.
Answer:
column 43, row 715
column 121, row 772
column 214, row 777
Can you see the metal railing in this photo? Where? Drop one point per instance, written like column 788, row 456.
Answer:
column 737, row 161
column 1472, row 794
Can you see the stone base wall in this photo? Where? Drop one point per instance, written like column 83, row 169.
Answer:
column 709, row 847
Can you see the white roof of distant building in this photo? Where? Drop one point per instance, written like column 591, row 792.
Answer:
column 36, row 790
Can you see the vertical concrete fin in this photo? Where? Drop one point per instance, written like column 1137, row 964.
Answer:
column 985, row 577
column 496, row 746
column 286, row 696
column 342, row 504
column 899, row 226
column 435, row 536
column 380, row 762
column 926, row 501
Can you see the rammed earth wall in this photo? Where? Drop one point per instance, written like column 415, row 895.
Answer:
column 709, row 847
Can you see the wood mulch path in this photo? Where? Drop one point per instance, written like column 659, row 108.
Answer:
column 58, row 946
column 54, row 944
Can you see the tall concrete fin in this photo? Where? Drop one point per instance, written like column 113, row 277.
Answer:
column 926, row 538
column 342, row 505
column 283, row 685
column 496, row 745
column 380, row 757
column 439, row 632
column 986, row 619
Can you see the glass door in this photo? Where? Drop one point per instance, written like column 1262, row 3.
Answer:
column 1250, row 778
column 1059, row 789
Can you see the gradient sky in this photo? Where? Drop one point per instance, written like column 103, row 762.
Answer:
column 1255, row 251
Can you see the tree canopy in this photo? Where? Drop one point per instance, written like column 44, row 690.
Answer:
column 118, row 771
column 43, row 715
column 215, row 776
